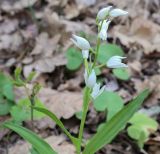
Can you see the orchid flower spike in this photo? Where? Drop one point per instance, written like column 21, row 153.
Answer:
column 102, row 14
column 97, row 90
column 103, row 31
column 117, row 12
column 116, row 62
column 90, row 79
column 81, row 43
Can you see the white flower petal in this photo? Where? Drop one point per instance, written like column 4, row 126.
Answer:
column 103, row 13
column 103, row 31
column 91, row 79
column 116, row 62
column 103, row 34
column 85, row 54
column 80, row 42
column 117, row 12
column 97, row 91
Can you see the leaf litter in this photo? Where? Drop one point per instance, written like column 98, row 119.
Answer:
column 35, row 35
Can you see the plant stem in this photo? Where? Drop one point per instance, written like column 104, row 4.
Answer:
column 98, row 45
column 97, row 51
column 85, row 110
column 32, row 113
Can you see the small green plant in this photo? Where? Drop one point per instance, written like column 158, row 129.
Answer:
column 6, row 94
column 141, row 127
column 117, row 114
column 23, row 111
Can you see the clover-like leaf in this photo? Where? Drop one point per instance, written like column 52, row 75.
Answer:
column 74, row 59
column 106, row 51
column 109, row 101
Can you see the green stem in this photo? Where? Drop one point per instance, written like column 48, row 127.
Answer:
column 98, row 45
column 85, row 110
column 32, row 113
column 97, row 51
column 100, row 66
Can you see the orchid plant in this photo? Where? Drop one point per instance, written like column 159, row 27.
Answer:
column 92, row 90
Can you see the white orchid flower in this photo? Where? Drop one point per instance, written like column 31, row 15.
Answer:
column 104, row 28
column 97, row 90
column 81, row 43
column 90, row 79
column 116, row 62
column 102, row 14
column 117, row 12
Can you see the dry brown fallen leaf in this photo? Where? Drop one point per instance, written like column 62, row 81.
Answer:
column 45, row 64
column 142, row 32
column 8, row 26
column 64, row 104
column 58, row 143
column 14, row 5
column 10, row 42
column 152, row 83
column 45, row 45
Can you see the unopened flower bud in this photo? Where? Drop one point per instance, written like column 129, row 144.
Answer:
column 102, row 14
column 116, row 62
column 117, row 12
column 80, row 42
column 90, row 79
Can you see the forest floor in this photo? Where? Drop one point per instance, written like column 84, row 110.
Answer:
column 35, row 35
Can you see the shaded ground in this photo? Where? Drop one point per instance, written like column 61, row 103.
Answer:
column 35, row 36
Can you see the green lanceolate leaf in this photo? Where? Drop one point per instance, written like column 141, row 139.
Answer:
column 58, row 122
column 39, row 144
column 111, row 129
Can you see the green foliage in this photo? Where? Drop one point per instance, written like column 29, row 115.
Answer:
column 121, row 73
column 22, row 111
column 97, row 71
column 141, row 127
column 74, row 59
column 6, row 94
column 106, row 51
column 114, row 125
column 58, row 122
column 33, row 151
column 17, row 75
column 31, row 76
column 79, row 115
column 109, row 101
column 39, row 144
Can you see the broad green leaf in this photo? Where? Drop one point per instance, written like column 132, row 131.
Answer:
column 6, row 87
column 144, row 120
column 121, row 73
column 5, row 106
column 79, row 115
column 22, row 111
column 74, row 59
column 106, row 51
column 142, row 126
column 109, row 101
column 58, row 122
column 33, row 151
column 18, row 114
column 112, row 128
column 97, row 71
column 39, row 144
